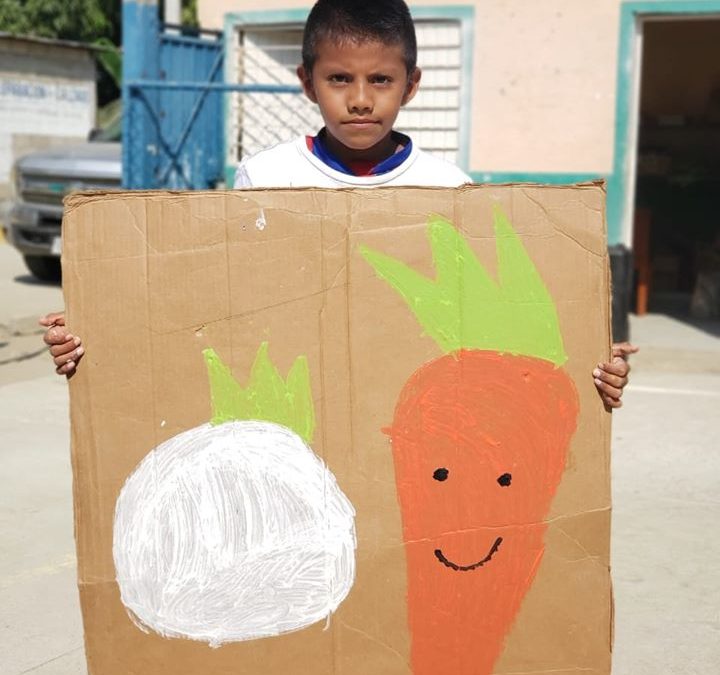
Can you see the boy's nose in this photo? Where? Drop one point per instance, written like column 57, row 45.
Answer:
column 359, row 99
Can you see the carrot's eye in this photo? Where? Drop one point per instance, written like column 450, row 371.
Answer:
column 441, row 474
column 505, row 479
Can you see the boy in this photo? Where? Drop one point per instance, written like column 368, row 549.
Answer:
column 359, row 67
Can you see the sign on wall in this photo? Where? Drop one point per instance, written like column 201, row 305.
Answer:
column 43, row 108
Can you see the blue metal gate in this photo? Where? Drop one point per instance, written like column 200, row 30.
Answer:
column 173, row 103
column 172, row 119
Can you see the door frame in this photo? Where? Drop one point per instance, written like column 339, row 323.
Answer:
column 621, row 183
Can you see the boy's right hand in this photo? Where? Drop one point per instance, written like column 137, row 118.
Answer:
column 65, row 348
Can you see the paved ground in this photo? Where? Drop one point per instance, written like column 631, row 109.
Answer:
column 666, row 493
column 39, row 610
column 666, row 469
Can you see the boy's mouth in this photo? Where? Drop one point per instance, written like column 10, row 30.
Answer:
column 361, row 122
column 467, row 568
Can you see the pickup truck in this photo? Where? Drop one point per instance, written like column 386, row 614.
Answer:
column 42, row 179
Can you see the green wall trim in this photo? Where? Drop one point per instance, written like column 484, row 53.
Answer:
column 465, row 14
column 542, row 178
column 268, row 17
column 620, row 179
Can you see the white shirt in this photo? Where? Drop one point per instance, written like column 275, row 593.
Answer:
column 292, row 164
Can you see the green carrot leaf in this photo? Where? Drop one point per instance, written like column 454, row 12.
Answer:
column 464, row 308
column 267, row 397
column 300, row 395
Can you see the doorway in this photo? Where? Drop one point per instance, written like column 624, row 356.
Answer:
column 676, row 223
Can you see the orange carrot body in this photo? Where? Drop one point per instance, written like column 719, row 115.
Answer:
column 479, row 442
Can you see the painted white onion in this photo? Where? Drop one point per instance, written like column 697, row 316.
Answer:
column 232, row 532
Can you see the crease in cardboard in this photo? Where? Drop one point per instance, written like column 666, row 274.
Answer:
column 510, row 526
column 552, row 221
column 379, row 641
column 231, row 317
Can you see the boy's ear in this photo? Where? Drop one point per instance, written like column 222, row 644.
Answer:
column 306, row 81
column 412, row 86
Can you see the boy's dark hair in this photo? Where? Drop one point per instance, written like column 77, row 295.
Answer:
column 386, row 21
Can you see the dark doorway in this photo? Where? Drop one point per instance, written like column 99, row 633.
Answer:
column 677, row 216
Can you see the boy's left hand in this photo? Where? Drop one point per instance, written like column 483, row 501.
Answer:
column 611, row 378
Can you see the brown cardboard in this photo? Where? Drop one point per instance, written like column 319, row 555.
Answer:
column 151, row 279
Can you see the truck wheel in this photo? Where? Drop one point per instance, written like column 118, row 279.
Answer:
column 43, row 267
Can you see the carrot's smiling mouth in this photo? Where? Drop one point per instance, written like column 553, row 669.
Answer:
column 467, row 568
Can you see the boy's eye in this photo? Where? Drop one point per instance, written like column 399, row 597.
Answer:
column 381, row 79
column 338, row 79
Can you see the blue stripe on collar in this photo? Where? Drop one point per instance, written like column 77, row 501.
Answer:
column 317, row 146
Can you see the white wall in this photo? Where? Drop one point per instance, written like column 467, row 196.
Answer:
column 47, row 96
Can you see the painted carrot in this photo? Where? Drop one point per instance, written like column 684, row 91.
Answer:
column 479, row 440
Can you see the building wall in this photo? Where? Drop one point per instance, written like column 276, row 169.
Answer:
column 47, row 97
column 544, row 76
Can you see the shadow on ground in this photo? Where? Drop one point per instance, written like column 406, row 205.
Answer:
column 30, row 280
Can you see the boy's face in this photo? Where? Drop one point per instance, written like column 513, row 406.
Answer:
column 359, row 88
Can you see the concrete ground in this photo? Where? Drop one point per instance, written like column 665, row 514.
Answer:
column 666, row 501
column 39, row 608
column 666, row 489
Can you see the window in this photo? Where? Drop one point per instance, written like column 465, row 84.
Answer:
column 270, row 55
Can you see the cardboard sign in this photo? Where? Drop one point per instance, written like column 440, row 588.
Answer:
column 342, row 432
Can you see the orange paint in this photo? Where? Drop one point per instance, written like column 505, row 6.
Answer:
column 479, row 442
column 480, row 438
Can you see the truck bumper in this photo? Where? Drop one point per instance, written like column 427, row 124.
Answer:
column 34, row 232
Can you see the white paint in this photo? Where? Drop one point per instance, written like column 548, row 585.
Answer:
column 233, row 532
column 261, row 223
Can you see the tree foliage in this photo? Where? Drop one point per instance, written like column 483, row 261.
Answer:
column 81, row 20
column 97, row 22
column 189, row 13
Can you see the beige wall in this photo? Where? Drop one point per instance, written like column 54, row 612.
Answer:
column 544, row 86
column 544, row 81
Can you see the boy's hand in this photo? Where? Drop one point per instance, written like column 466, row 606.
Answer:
column 65, row 348
column 611, row 378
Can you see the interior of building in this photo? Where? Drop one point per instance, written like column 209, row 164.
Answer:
column 677, row 218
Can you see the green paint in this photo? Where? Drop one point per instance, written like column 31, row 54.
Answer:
column 496, row 178
column 267, row 397
column 464, row 308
